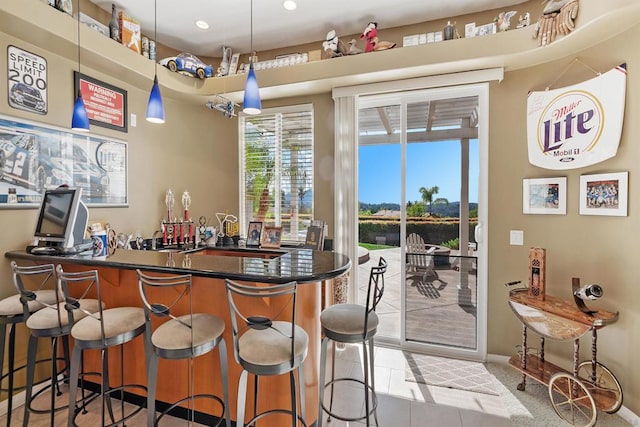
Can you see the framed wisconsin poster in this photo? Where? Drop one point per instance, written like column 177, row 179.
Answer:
column 36, row 157
column 27, row 80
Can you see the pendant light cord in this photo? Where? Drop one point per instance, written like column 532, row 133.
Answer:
column 78, row 39
column 155, row 32
column 251, row 36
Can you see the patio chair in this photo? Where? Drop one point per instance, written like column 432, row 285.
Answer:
column 420, row 259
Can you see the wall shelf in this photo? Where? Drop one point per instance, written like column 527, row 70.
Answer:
column 37, row 23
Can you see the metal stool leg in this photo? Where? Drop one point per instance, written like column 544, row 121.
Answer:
column 255, row 394
column 12, row 356
column 222, row 350
column 106, row 396
column 31, row 362
column 301, row 385
column 323, row 368
column 294, row 404
column 372, row 366
column 242, row 397
column 152, row 382
column 365, row 365
column 76, row 357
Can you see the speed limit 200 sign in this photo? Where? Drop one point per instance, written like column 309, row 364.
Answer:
column 27, row 80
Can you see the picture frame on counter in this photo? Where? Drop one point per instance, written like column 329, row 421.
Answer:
column 547, row 196
column 271, row 237
column 254, row 233
column 54, row 156
column 604, row 194
column 106, row 104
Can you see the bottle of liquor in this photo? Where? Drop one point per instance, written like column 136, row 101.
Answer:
column 114, row 29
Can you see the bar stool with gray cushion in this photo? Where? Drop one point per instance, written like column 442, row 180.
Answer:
column 182, row 334
column 12, row 312
column 264, row 345
column 53, row 320
column 99, row 330
column 353, row 323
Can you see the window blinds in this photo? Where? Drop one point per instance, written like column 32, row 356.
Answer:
column 276, row 175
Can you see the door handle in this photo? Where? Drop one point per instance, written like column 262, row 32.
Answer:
column 477, row 233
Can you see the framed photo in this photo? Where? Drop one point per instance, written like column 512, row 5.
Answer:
column 314, row 238
column 483, row 30
column 544, row 196
column 253, row 233
column 604, row 194
column 57, row 156
column 106, row 104
column 271, row 236
column 233, row 66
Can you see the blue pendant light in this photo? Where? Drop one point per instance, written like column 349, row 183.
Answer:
column 80, row 119
column 155, row 107
column 251, row 104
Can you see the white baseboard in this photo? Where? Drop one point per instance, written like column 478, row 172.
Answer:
column 624, row 412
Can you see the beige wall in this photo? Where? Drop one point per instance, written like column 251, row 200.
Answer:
column 196, row 150
column 597, row 249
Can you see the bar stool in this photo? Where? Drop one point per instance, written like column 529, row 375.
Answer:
column 180, row 336
column 99, row 330
column 353, row 323
column 263, row 345
column 12, row 312
column 52, row 321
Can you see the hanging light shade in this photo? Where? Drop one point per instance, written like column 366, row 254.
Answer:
column 80, row 118
column 155, row 107
column 251, row 104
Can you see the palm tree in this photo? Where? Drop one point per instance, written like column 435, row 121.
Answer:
column 427, row 197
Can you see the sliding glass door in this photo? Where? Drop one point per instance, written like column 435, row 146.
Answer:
column 419, row 177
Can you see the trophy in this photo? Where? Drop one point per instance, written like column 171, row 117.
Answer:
column 168, row 226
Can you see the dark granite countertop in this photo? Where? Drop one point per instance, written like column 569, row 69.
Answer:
column 268, row 266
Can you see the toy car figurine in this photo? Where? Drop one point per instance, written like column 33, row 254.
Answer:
column 189, row 64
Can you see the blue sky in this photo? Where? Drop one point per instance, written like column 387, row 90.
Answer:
column 428, row 164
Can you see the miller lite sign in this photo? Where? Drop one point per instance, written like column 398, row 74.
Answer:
column 578, row 125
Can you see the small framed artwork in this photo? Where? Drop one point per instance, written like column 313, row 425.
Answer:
column 254, row 233
column 544, row 196
column 483, row 30
column 470, row 30
column 233, row 66
column 271, row 237
column 314, row 238
column 604, row 194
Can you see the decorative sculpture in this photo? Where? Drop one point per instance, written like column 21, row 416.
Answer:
column 370, row 33
column 333, row 46
column 558, row 18
column 503, row 20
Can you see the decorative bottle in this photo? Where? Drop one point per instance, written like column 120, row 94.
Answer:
column 114, row 28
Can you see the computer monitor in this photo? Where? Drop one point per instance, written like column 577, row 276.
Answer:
column 63, row 218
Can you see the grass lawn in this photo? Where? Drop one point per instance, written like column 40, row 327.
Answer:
column 373, row 246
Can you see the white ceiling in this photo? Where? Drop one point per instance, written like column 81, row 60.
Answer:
column 274, row 27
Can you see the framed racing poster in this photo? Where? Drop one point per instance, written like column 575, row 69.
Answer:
column 27, row 80
column 35, row 157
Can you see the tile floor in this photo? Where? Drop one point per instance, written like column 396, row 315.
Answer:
column 401, row 403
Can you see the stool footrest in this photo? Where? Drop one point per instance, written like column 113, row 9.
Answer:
column 195, row 396
column 374, row 400
column 275, row 411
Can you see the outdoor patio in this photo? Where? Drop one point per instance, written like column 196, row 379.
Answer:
column 433, row 313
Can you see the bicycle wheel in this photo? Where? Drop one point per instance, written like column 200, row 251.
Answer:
column 571, row 400
column 606, row 389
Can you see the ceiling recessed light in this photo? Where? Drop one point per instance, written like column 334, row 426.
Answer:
column 202, row 25
column 289, row 5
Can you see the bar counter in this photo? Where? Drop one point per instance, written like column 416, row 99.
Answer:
column 209, row 267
